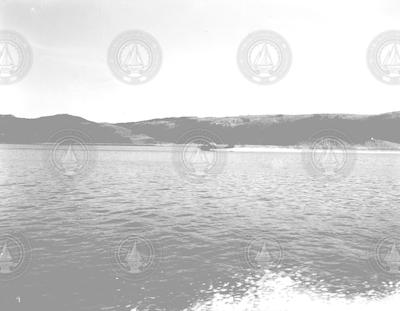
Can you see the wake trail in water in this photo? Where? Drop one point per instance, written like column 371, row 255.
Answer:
column 279, row 292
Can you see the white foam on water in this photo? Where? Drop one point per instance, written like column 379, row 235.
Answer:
column 281, row 293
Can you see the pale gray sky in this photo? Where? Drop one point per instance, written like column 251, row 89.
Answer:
column 199, row 75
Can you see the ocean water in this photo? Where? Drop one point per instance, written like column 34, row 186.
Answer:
column 328, row 242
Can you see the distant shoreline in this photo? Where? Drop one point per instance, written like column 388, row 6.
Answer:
column 236, row 134
column 240, row 148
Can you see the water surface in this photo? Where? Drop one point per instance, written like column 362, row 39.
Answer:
column 328, row 232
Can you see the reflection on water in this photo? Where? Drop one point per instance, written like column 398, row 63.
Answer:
column 330, row 233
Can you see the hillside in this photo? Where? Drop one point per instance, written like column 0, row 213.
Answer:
column 279, row 130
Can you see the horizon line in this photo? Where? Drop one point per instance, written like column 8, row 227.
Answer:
column 196, row 117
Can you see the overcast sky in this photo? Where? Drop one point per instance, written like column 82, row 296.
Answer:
column 199, row 74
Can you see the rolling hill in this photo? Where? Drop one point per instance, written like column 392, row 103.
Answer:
column 278, row 130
